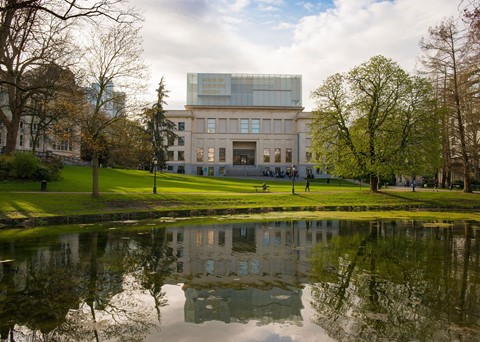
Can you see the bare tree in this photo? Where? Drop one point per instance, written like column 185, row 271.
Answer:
column 446, row 52
column 113, row 58
column 35, row 33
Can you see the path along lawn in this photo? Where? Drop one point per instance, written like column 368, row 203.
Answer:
column 131, row 191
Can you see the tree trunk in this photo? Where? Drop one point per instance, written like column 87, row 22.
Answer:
column 12, row 135
column 467, row 180
column 95, row 192
column 373, row 183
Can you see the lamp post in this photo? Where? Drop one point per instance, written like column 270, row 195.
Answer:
column 293, row 179
column 155, row 162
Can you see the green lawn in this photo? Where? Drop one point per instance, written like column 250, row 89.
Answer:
column 131, row 190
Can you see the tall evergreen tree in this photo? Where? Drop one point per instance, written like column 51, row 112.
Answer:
column 160, row 129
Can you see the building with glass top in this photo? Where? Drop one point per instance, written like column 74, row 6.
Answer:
column 241, row 124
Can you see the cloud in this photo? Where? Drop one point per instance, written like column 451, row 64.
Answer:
column 236, row 36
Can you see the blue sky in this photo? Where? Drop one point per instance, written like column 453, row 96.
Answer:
column 311, row 38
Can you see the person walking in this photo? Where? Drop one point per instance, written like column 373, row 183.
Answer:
column 307, row 185
column 414, row 184
column 435, row 184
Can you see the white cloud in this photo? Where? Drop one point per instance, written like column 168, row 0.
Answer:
column 215, row 39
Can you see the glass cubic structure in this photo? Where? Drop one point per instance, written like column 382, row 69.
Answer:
column 244, row 90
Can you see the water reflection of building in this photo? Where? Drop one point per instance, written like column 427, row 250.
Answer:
column 244, row 271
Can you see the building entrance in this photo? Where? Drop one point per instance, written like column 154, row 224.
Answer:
column 244, row 153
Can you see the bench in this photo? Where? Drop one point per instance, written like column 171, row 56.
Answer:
column 261, row 188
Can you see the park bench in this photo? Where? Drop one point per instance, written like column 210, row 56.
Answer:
column 263, row 188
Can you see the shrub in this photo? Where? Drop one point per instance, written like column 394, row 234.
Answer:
column 5, row 167
column 24, row 166
column 54, row 165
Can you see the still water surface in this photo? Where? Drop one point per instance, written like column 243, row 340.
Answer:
column 263, row 281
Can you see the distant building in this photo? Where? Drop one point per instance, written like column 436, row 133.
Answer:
column 65, row 144
column 241, row 124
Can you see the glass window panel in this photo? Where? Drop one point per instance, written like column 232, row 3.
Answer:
column 181, row 141
column 267, row 126
column 266, row 155
column 211, row 154
column 221, row 154
column 233, row 125
column 243, row 125
column 181, row 126
column 288, row 155
column 211, row 127
column 255, row 126
column 181, row 155
column 278, row 155
column 199, row 154
column 277, row 126
column 200, row 125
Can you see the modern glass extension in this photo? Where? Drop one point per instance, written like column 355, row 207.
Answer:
column 244, row 90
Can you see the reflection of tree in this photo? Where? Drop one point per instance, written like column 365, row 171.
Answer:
column 394, row 286
column 154, row 266
column 93, row 299
column 110, row 309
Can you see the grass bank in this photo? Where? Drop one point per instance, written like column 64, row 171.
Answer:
column 129, row 191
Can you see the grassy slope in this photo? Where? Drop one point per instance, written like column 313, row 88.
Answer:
column 130, row 190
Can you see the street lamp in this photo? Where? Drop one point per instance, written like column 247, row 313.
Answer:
column 155, row 162
column 293, row 179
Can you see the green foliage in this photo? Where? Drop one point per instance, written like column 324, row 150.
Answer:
column 375, row 120
column 25, row 166
column 159, row 128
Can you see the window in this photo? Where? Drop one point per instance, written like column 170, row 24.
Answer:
column 221, row 154
column 266, row 155
column 181, row 141
column 277, row 126
column 21, row 140
column 211, row 125
column 181, row 155
column 288, row 155
column 199, row 154
column 200, row 125
column 222, row 125
column 308, row 156
column 255, row 126
column 288, row 126
column 181, row 126
column 278, row 155
column 233, row 125
column 211, row 154
column 169, row 155
column 243, row 125
column 267, row 126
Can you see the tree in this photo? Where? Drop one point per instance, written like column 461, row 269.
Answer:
column 134, row 150
column 34, row 34
column 159, row 128
column 113, row 56
column 371, row 122
column 446, row 52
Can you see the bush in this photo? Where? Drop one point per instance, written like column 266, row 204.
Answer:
column 5, row 167
column 25, row 166
column 54, row 165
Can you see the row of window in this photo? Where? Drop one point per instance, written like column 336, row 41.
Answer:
column 222, row 155
column 243, row 126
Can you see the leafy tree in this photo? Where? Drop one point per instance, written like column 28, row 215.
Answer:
column 134, row 150
column 374, row 121
column 158, row 127
column 448, row 55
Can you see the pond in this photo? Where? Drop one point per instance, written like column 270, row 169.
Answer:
column 325, row 280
